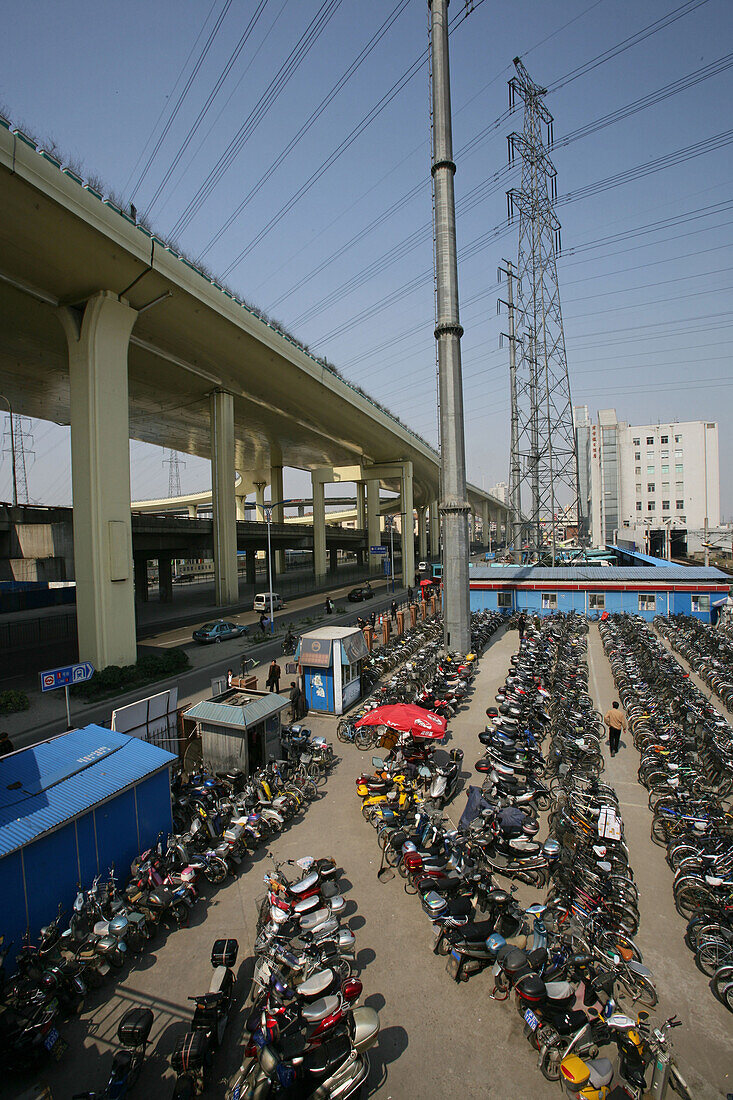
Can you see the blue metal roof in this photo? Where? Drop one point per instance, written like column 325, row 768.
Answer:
column 46, row 785
column 638, row 557
column 239, row 717
column 674, row 574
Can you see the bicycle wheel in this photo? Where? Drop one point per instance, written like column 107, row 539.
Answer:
column 678, row 1083
column 690, row 898
column 659, row 831
column 343, row 732
column 712, row 954
column 363, row 737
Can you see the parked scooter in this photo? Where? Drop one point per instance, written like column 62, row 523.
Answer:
column 133, row 1032
column 193, row 1055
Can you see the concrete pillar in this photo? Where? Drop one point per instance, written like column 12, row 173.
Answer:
column 319, row 525
column 251, row 567
column 239, row 503
column 434, row 530
column 98, row 341
column 332, row 559
column 165, row 578
column 374, row 533
column 422, row 535
column 226, row 581
column 141, row 579
column 192, row 509
column 486, row 524
column 360, row 505
column 278, row 512
column 260, row 487
column 360, row 555
column 408, row 527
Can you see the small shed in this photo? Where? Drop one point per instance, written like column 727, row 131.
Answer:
column 331, row 658
column 239, row 728
column 69, row 808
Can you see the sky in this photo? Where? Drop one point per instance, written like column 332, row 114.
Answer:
column 286, row 143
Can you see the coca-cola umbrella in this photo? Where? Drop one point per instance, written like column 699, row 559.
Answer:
column 407, row 718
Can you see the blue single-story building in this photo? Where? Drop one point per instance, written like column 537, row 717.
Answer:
column 592, row 589
column 69, row 808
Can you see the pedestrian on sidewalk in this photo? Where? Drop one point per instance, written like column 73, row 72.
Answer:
column 294, row 701
column 393, row 610
column 409, row 593
column 615, row 719
column 521, row 626
column 373, row 619
column 263, row 623
column 230, row 675
column 273, row 676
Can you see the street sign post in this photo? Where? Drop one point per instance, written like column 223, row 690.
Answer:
column 377, row 549
column 55, row 678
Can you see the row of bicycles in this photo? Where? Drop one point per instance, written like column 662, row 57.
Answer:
column 708, row 651
column 220, row 820
column 569, row 962
column 305, row 1033
column 426, row 677
column 686, row 764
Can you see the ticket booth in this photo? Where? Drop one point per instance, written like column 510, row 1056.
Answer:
column 331, row 659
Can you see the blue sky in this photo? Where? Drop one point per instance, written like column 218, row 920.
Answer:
column 645, row 275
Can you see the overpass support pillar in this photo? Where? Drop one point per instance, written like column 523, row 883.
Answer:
column 408, row 527
column 192, row 511
column 98, row 340
column 141, row 579
column 486, row 524
column 360, row 505
column 239, row 505
column 251, row 567
column 226, row 581
column 434, row 530
column 374, row 518
column 260, row 487
column 278, row 513
column 165, row 578
column 319, row 524
column 333, row 559
column 422, row 535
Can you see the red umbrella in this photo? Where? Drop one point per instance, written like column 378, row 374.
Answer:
column 407, row 718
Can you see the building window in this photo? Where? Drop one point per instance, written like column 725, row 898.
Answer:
column 650, row 486
column 638, row 487
column 627, row 523
column 647, row 601
column 679, row 505
column 700, row 603
column 665, row 505
column 665, row 454
column 636, row 442
column 549, row 600
column 665, row 439
column 638, row 505
column 637, row 471
column 650, row 470
column 678, row 452
column 665, row 486
column 665, row 467
column 679, row 468
column 503, row 599
column 683, row 519
column 650, row 441
column 637, row 456
column 650, row 506
column 597, row 601
column 678, row 439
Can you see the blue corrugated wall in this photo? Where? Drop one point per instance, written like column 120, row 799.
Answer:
column 529, row 600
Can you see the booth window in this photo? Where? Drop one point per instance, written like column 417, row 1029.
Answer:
column 349, row 673
column 549, row 600
column 503, row 599
column 597, row 601
column 700, row 603
column 647, row 601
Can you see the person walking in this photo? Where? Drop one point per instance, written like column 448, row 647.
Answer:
column 263, row 623
column 294, row 701
column 409, row 593
column 329, row 605
column 230, row 675
column 373, row 619
column 393, row 610
column 521, row 626
column 6, row 745
column 273, row 676
column 615, row 719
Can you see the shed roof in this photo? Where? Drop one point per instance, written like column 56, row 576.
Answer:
column 674, row 574
column 46, row 785
column 238, row 717
column 332, row 632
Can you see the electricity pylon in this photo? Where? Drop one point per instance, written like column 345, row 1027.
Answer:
column 544, row 453
column 174, row 473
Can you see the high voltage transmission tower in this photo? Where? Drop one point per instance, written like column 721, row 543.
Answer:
column 18, row 442
column 174, row 473
column 544, row 467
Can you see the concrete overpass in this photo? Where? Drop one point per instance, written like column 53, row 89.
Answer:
column 106, row 328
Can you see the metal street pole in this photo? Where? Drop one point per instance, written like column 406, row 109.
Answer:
column 268, row 517
column 12, row 449
column 454, row 506
column 391, row 551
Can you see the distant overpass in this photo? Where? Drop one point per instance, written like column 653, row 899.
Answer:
column 107, row 329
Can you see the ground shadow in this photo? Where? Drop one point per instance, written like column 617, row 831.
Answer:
column 364, row 957
column 392, row 1042
column 356, row 923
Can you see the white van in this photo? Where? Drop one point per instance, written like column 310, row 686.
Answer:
column 262, row 602
column 423, row 566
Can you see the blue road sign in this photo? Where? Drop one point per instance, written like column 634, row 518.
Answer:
column 377, row 549
column 63, row 677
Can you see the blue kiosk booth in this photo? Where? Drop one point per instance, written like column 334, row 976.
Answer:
column 331, row 659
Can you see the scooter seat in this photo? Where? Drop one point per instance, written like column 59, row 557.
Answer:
column 321, row 1060
column 478, row 931
column 305, row 883
column 601, row 1072
column 310, row 921
column 558, row 991
column 122, row 1061
column 318, row 1010
column 316, row 985
column 525, row 847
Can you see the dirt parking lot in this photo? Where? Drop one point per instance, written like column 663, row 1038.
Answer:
column 438, row 1039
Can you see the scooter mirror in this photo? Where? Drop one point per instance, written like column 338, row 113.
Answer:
column 377, row 762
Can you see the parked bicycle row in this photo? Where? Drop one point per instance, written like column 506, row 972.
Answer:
column 570, row 959
column 220, row 820
column 686, row 764
column 304, row 1033
column 709, row 652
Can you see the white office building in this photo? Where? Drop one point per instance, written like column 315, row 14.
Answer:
column 648, row 479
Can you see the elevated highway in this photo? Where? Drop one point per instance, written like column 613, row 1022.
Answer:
column 105, row 328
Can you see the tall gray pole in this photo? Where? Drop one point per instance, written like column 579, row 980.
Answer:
column 454, row 506
column 515, row 473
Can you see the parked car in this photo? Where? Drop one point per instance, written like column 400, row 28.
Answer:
column 356, row 595
column 218, row 631
column 262, row 602
column 423, row 566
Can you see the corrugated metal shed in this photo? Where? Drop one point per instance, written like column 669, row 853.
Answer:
column 623, row 574
column 258, row 709
column 51, row 783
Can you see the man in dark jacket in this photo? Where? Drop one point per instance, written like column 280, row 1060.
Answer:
column 294, row 701
column 273, row 676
